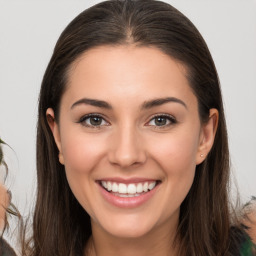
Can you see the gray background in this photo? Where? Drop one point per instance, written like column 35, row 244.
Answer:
column 28, row 32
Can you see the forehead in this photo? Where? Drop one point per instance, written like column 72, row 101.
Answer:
column 112, row 72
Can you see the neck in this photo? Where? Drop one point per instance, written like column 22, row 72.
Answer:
column 158, row 242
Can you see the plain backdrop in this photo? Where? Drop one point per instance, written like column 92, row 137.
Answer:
column 28, row 33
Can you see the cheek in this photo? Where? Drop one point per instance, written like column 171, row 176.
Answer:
column 82, row 154
column 176, row 153
column 176, row 157
column 82, row 151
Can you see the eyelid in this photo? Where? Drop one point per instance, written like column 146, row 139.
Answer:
column 171, row 118
column 83, row 118
column 91, row 115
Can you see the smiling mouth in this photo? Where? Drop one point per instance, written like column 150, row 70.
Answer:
column 128, row 190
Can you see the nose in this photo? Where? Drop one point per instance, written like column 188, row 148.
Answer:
column 126, row 148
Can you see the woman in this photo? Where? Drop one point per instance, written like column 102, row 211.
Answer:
column 5, row 249
column 5, row 207
column 132, row 151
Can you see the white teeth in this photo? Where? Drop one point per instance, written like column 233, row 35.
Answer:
column 114, row 187
column 128, row 195
column 145, row 187
column 122, row 188
column 131, row 189
column 151, row 185
column 104, row 184
column 109, row 186
column 128, row 190
column 139, row 188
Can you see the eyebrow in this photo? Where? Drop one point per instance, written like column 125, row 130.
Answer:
column 145, row 105
column 93, row 102
column 161, row 101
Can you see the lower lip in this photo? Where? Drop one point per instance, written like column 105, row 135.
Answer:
column 127, row 202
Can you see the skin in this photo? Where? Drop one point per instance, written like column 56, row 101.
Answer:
column 4, row 203
column 130, row 143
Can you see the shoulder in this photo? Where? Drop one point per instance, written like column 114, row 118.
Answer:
column 5, row 249
column 241, row 243
column 245, row 235
column 249, row 218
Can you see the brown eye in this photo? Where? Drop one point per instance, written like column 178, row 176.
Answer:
column 159, row 121
column 162, row 120
column 93, row 121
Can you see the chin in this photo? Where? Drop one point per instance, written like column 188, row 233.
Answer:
column 129, row 232
column 127, row 227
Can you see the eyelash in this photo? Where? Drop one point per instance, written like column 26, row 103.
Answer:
column 87, row 117
column 169, row 118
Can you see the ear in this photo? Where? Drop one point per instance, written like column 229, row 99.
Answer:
column 207, row 135
column 55, row 131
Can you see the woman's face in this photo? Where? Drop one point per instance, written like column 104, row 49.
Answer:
column 130, row 138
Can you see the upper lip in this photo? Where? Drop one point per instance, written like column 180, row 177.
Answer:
column 128, row 180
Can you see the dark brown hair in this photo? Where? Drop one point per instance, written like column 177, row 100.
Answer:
column 61, row 226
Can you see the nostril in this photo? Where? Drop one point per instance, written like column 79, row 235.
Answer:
column 127, row 159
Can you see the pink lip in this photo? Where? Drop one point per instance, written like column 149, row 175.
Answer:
column 127, row 202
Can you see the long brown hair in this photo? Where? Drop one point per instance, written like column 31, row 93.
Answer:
column 61, row 226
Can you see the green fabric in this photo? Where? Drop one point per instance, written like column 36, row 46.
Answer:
column 248, row 248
